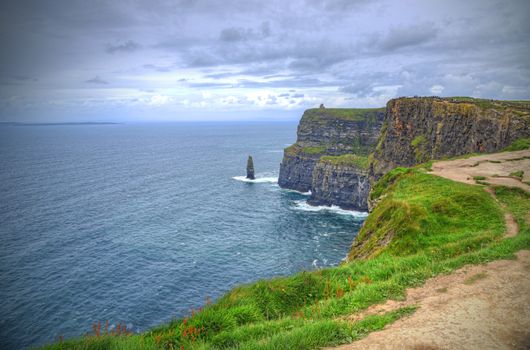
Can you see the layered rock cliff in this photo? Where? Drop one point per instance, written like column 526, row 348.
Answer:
column 328, row 132
column 417, row 130
column 412, row 131
column 341, row 180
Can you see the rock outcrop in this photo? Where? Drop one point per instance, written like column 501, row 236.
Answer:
column 341, row 180
column 328, row 132
column 250, row 168
column 417, row 130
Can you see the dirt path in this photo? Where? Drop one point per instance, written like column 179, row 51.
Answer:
column 511, row 225
column 494, row 169
column 497, row 168
column 476, row 307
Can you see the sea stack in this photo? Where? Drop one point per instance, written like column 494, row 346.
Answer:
column 250, row 168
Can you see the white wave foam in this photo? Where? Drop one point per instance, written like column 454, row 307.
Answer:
column 302, row 205
column 308, row 193
column 259, row 180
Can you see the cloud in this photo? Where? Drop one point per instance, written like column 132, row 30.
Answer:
column 96, row 80
column 126, row 46
column 343, row 52
column 16, row 79
column 436, row 89
column 359, row 89
column 339, row 5
column 233, row 34
column 401, row 37
column 157, row 68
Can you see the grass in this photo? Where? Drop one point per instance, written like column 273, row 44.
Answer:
column 419, row 143
column 518, row 145
column 369, row 115
column 475, row 278
column 296, row 149
column 518, row 174
column 423, row 226
column 479, row 178
column 418, row 140
column 348, row 160
column 522, row 105
column 314, row 150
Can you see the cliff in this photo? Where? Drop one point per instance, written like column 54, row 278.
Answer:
column 341, row 180
column 417, row 130
column 328, row 132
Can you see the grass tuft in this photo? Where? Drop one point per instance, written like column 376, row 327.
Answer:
column 518, row 145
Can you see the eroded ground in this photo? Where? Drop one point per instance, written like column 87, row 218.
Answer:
column 476, row 307
column 496, row 169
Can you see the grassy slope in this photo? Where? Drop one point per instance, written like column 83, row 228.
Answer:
column 353, row 114
column 360, row 162
column 439, row 225
column 496, row 104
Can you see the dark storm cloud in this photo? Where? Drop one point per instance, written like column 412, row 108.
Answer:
column 157, row 68
column 401, row 37
column 97, row 80
column 15, row 79
column 243, row 34
column 339, row 5
column 126, row 46
column 360, row 88
column 284, row 83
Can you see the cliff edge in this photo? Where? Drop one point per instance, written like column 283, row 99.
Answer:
column 320, row 160
column 420, row 129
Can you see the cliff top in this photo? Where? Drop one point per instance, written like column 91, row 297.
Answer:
column 358, row 161
column 351, row 114
column 522, row 107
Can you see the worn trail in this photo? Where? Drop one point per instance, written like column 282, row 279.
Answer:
column 476, row 307
column 496, row 169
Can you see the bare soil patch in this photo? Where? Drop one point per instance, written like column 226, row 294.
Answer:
column 476, row 307
column 493, row 169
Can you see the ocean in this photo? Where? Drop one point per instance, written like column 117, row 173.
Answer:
column 140, row 223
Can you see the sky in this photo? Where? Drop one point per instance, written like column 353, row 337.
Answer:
column 158, row 60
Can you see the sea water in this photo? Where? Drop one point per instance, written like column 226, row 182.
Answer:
column 140, row 223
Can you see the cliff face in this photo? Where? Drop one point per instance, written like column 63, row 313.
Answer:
column 417, row 130
column 341, row 181
column 324, row 132
column 296, row 169
column 410, row 131
column 341, row 131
